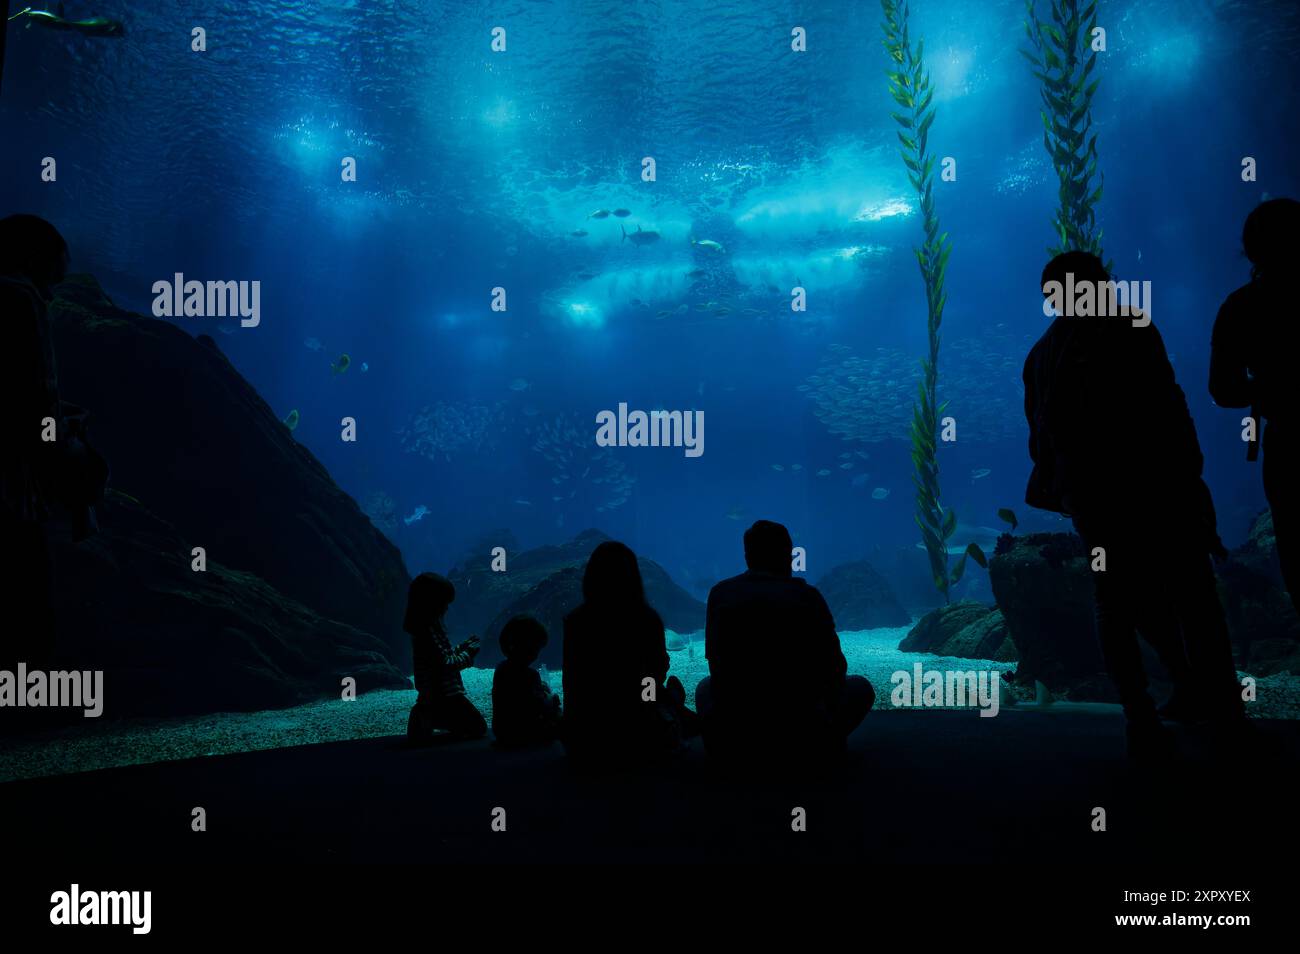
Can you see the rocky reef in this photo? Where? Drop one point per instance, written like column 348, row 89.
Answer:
column 546, row 582
column 860, row 598
column 300, row 589
column 172, row 641
column 1261, row 616
column 966, row 629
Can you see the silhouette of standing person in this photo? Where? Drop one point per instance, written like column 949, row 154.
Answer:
column 778, row 686
column 33, row 259
column 1253, row 359
column 620, row 706
column 1114, row 447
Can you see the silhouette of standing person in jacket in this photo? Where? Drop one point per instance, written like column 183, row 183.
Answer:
column 1114, row 448
column 1253, row 360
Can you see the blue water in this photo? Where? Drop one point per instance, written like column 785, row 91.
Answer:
column 475, row 167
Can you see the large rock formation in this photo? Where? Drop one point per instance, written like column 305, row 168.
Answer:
column 192, row 440
column 1261, row 616
column 860, row 598
column 1044, row 589
column 966, row 629
column 547, row 583
column 174, row 641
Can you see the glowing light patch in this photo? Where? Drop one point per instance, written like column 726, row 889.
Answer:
column 501, row 114
column 883, row 210
column 584, row 314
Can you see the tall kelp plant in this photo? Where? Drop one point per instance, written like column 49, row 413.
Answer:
column 1060, row 51
column 909, row 84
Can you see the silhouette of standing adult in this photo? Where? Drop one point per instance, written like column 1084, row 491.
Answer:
column 613, row 643
column 1114, row 447
column 1253, row 360
column 778, row 687
column 33, row 259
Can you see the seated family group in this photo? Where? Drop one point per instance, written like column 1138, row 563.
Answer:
column 620, row 705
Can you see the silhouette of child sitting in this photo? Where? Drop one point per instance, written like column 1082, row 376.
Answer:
column 442, row 703
column 524, row 710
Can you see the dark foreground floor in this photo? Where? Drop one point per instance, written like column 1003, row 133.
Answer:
column 921, row 787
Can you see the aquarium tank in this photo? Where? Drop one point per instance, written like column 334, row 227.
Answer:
column 360, row 290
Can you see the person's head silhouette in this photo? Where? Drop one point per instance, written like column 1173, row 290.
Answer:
column 426, row 601
column 522, row 639
column 1084, row 266
column 33, row 248
column 612, row 577
column 1271, row 236
column 767, row 548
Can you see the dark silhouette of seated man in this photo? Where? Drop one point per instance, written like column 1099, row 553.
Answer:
column 1114, row 447
column 778, row 688
column 33, row 259
column 1254, row 352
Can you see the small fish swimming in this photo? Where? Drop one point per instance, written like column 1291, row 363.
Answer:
column 622, row 213
column 860, row 480
column 880, row 493
column 979, row 472
column 523, row 503
column 291, row 420
column 417, row 515
column 847, row 466
column 796, row 466
column 823, row 472
column 579, row 233
column 599, row 214
column 519, row 384
column 709, row 244
column 778, row 467
column 364, row 367
column 314, row 344
column 344, row 362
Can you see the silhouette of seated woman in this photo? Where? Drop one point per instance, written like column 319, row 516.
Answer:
column 1114, row 448
column 1253, row 361
column 442, row 705
column 778, row 687
column 620, row 706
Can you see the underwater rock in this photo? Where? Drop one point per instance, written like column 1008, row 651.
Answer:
column 546, row 582
column 1261, row 616
column 967, row 630
column 1044, row 589
column 860, row 598
column 191, row 439
column 173, row 641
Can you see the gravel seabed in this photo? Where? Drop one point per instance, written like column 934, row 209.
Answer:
column 872, row 653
